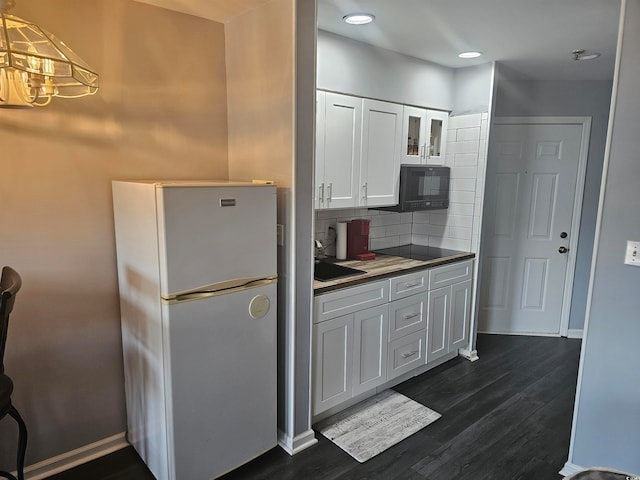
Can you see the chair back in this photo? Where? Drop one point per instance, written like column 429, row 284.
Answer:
column 10, row 283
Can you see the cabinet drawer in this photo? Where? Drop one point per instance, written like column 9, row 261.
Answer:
column 410, row 284
column 405, row 354
column 349, row 300
column 407, row 315
column 450, row 274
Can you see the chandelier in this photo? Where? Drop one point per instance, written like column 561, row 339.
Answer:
column 35, row 66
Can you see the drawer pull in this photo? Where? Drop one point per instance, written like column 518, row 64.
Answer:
column 409, row 354
column 410, row 315
column 411, row 285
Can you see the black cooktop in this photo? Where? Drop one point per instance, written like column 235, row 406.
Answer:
column 418, row 252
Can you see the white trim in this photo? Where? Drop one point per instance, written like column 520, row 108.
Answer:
column 523, row 334
column 68, row 460
column 298, row 443
column 596, row 240
column 570, row 469
column 577, row 199
column 575, row 333
column 471, row 355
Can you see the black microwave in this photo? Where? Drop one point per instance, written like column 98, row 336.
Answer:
column 422, row 188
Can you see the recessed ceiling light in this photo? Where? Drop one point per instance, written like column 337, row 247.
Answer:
column 358, row 18
column 584, row 55
column 470, row 54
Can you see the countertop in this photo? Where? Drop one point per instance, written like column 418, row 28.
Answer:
column 383, row 266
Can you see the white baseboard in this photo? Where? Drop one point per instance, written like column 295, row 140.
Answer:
column 298, row 443
column 471, row 355
column 574, row 333
column 570, row 468
column 68, row 460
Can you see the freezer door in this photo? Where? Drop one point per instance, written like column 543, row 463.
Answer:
column 222, row 381
column 212, row 234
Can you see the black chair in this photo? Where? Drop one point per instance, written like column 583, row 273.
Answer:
column 10, row 283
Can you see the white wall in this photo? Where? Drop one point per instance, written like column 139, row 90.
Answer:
column 564, row 98
column 352, row 67
column 606, row 429
column 472, row 88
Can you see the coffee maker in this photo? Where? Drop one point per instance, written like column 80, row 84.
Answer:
column 358, row 240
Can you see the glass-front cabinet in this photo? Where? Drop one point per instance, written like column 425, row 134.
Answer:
column 424, row 136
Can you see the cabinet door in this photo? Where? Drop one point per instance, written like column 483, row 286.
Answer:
column 414, row 136
column 380, row 161
column 318, row 192
column 371, row 333
column 438, row 315
column 342, row 144
column 437, row 125
column 332, row 362
column 460, row 313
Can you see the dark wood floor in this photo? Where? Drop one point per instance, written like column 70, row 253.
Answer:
column 505, row 417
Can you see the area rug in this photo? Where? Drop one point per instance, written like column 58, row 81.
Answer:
column 370, row 427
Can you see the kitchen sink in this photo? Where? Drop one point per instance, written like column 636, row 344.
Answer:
column 326, row 271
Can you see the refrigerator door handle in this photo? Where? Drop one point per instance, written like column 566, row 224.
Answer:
column 221, row 288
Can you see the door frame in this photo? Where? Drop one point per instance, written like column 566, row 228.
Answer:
column 585, row 123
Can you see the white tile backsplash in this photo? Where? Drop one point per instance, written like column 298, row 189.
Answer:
column 470, row 133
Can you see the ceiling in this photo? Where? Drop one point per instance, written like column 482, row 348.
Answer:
column 532, row 37
column 217, row 10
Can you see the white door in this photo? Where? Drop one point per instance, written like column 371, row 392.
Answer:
column 534, row 170
column 370, row 342
column 437, row 125
column 414, row 135
column 380, row 161
column 342, row 144
column 215, row 234
column 221, row 375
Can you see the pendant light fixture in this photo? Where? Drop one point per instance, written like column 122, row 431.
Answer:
column 35, row 66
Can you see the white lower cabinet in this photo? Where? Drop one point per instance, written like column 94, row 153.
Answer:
column 405, row 354
column 349, row 356
column 368, row 335
column 332, row 362
column 371, row 333
column 449, row 312
column 460, row 314
column 438, row 323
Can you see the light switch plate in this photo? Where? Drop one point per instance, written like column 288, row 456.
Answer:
column 632, row 255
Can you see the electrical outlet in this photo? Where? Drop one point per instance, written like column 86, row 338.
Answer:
column 632, row 255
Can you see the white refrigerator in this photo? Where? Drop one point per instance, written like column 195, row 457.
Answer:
column 197, row 281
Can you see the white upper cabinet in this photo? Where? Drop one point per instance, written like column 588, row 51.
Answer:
column 414, row 135
column 424, row 136
column 380, row 160
column 437, row 124
column 360, row 144
column 338, row 144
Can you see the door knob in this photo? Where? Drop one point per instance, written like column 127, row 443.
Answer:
column 563, row 235
column 563, row 249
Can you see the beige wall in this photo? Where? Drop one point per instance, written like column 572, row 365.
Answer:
column 260, row 86
column 160, row 112
column 271, row 101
